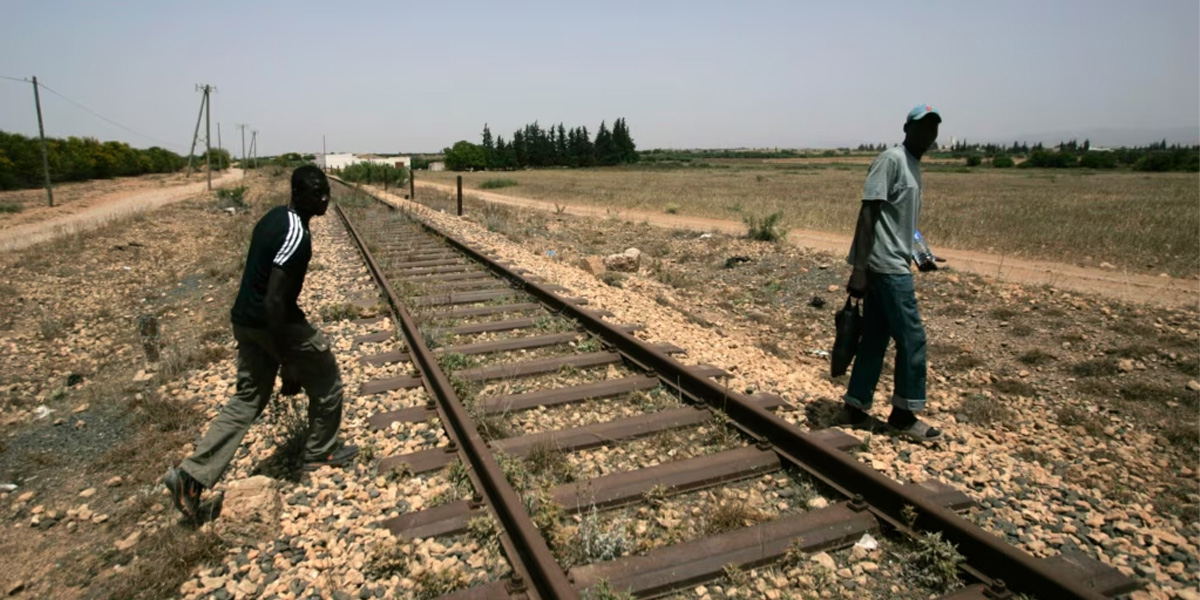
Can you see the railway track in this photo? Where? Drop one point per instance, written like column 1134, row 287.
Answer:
column 569, row 434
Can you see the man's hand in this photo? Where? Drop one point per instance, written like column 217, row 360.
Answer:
column 857, row 286
column 930, row 265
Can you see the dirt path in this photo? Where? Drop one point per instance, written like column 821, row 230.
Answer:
column 1166, row 291
column 73, row 218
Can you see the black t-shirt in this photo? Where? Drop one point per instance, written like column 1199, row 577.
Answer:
column 281, row 239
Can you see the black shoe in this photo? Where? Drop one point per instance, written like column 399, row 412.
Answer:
column 850, row 416
column 918, row 431
column 185, row 491
column 906, row 424
column 339, row 457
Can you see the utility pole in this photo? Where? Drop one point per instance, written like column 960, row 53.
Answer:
column 207, row 136
column 242, row 128
column 254, row 147
column 196, row 134
column 220, row 146
column 324, row 164
column 37, row 100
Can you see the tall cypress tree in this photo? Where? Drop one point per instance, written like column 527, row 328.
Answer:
column 587, row 150
column 500, row 155
column 561, row 153
column 626, row 150
column 618, row 137
column 573, row 148
column 605, row 150
column 545, row 145
column 489, row 148
column 520, row 151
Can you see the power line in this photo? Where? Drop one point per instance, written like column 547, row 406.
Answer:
column 110, row 121
column 26, row 80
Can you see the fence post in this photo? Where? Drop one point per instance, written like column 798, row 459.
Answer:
column 460, row 195
column 412, row 186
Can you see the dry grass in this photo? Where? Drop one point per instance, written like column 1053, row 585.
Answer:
column 547, row 461
column 1142, row 222
column 730, row 514
column 34, row 200
column 1071, row 416
column 981, row 410
column 1036, row 357
column 165, row 560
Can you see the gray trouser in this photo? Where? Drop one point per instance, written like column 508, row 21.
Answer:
column 305, row 353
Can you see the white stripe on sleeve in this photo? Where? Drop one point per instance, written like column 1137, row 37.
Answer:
column 292, row 241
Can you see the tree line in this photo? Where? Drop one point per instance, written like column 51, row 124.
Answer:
column 1154, row 157
column 673, row 155
column 554, row 146
column 84, row 158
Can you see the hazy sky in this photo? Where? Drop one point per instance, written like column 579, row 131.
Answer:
column 417, row 76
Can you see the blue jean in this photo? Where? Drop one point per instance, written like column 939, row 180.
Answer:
column 890, row 312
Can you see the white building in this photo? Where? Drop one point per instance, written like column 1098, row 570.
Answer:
column 343, row 160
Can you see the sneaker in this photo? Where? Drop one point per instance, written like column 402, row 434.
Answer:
column 185, row 491
column 339, row 457
column 918, row 431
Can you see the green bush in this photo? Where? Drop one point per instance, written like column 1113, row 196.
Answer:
column 375, row 174
column 11, row 208
column 232, row 197
column 286, row 161
column 77, row 159
column 1046, row 159
column 1002, row 161
column 465, row 156
column 492, row 184
column 974, row 160
column 767, row 229
column 422, row 162
column 1169, row 160
column 220, row 159
column 1098, row 160
column 672, row 208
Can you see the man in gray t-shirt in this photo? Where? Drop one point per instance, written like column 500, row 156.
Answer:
column 891, row 204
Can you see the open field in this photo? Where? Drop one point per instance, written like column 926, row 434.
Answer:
column 1138, row 222
column 22, row 205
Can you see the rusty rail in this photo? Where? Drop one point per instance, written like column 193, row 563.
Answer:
column 548, row 578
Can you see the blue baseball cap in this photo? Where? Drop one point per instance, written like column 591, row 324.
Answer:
column 921, row 111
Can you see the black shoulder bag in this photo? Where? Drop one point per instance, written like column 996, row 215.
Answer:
column 848, row 321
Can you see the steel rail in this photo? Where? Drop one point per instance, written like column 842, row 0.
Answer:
column 1001, row 563
column 548, row 576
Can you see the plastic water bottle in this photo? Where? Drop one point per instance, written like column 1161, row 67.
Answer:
column 922, row 254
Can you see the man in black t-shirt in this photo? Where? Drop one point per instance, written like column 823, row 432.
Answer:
column 271, row 330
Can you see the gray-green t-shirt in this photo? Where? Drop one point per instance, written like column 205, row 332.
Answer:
column 894, row 178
